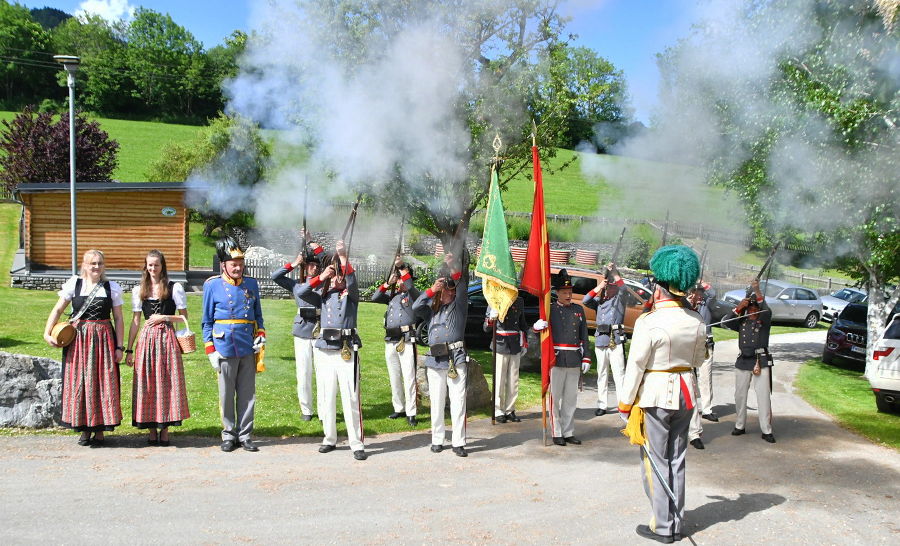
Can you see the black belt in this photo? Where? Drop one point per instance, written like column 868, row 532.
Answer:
column 309, row 312
column 397, row 332
column 443, row 349
column 337, row 334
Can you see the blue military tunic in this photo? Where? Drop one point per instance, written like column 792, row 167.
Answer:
column 610, row 307
column 339, row 308
column 307, row 309
column 232, row 316
column 400, row 312
column 568, row 328
column 446, row 325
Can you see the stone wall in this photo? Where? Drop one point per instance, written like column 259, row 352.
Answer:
column 30, row 391
column 53, row 282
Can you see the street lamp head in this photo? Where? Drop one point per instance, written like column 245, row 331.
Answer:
column 69, row 62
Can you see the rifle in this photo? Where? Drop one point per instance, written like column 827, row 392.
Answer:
column 765, row 266
column 394, row 269
column 665, row 230
column 303, row 238
column 351, row 223
column 615, row 254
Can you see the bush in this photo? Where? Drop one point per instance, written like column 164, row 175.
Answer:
column 35, row 149
column 638, row 254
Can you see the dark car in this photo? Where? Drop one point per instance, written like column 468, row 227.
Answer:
column 846, row 338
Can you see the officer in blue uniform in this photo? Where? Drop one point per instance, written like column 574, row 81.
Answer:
column 233, row 333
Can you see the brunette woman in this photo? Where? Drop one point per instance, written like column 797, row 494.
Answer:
column 90, row 393
column 160, row 394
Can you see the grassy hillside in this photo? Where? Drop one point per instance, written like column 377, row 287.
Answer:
column 140, row 142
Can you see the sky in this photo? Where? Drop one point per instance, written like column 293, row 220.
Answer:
column 629, row 33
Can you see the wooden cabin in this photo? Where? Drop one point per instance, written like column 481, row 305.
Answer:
column 123, row 219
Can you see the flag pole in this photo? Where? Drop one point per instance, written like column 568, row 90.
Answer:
column 543, row 393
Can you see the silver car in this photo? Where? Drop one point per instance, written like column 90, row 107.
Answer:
column 789, row 302
column 833, row 304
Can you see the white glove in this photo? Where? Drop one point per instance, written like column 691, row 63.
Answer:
column 258, row 343
column 585, row 366
column 493, row 313
column 214, row 359
column 541, row 324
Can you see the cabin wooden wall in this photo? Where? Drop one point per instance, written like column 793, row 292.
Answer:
column 122, row 224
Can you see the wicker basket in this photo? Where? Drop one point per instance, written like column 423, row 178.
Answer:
column 187, row 340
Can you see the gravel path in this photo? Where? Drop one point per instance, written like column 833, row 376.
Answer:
column 818, row 485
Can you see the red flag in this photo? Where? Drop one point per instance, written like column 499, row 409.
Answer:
column 536, row 274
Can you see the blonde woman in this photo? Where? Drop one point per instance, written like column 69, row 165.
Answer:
column 90, row 393
column 160, row 394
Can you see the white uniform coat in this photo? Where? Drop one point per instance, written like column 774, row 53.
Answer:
column 670, row 336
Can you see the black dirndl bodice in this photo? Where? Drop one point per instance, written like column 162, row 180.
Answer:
column 101, row 307
column 159, row 307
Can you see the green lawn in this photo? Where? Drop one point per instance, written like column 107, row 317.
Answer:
column 277, row 408
column 722, row 334
column 846, row 395
column 140, row 143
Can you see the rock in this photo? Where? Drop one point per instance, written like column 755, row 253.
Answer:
column 30, row 391
column 478, row 393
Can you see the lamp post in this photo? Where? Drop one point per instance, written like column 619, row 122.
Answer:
column 70, row 64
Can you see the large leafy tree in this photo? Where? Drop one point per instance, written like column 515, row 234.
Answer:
column 810, row 147
column 401, row 100
column 25, row 68
column 222, row 163
column 102, row 81
column 35, row 148
column 165, row 63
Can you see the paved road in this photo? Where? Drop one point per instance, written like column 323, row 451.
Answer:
column 818, row 485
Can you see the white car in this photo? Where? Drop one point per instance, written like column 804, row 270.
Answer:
column 833, row 304
column 885, row 376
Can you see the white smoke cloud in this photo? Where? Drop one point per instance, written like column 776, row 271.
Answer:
column 736, row 58
column 363, row 123
column 110, row 10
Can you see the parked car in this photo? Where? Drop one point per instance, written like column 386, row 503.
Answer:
column 585, row 280
column 846, row 338
column 885, row 377
column 789, row 302
column 836, row 301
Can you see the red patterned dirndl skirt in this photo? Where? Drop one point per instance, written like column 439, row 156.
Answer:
column 159, row 390
column 90, row 394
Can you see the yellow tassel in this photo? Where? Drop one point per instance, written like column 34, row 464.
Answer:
column 261, row 360
column 634, row 429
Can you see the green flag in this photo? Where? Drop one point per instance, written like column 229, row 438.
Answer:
column 495, row 264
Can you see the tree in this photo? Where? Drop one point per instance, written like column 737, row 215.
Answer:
column 35, row 149
column 804, row 128
column 591, row 92
column 165, row 62
column 103, row 84
column 26, row 70
column 401, row 100
column 222, row 164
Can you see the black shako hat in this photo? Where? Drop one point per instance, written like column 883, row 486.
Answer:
column 228, row 249
column 563, row 280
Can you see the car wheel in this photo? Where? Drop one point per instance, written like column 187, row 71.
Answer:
column 812, row 320
column 422, row 333
column 827, row 357
column 882, row 404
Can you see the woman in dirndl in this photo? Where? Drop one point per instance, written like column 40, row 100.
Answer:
column 160, row 393
column 90, row 391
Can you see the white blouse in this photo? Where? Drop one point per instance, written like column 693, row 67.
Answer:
column 67, row 292
column 177, row 294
